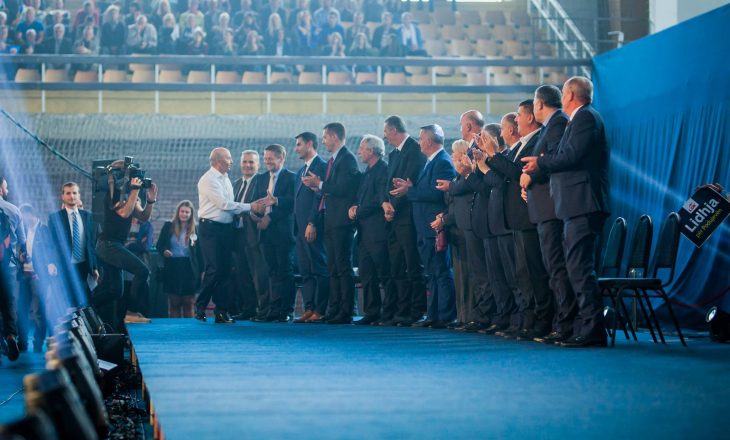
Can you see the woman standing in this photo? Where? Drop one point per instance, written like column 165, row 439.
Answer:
column 178, row 244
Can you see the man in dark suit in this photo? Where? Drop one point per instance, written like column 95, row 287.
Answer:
column 252, row 277
column 372, row 229
column 535, row 300
column 405, row 162
column 579, row 184
column 339, row 192
column 277, row 233
column 75, row 257
column 312, row 258
column 428, row 202
column 541, row 208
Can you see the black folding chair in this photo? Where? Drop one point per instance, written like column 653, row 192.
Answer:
column 612, row 256
column 618, row 289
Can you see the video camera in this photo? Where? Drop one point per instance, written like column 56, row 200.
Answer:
column 124, row 172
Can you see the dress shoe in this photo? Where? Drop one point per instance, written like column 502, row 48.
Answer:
column 552, row 338
column 316, row 318
column 474, row 326
column 302, row 319
column 136, row 318
column 423, row 323
column 439, row 324
column 12, row 347
column 508, row 333
column 527, row 335
column 261, row 318
column 366, row 320
column 282, row 318
column 246, row 316
column 223, row 318
column 200, row 316
column 585, row 341
column 340, row 320
column 492, row 329
column 455, row 325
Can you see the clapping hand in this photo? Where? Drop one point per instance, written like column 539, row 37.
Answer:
column 401, row 187
column 388, row 211
column 311, row 181
column 352, row 212
column 444, row 185
column 525, row 181
column 486, row 143
column 467, row 165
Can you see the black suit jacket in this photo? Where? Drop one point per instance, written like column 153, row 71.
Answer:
column 340, row 190
column 49, row 47
column 281, row 227
column 371, row 224
column 306, row 201
column 491, row 183
column 163, row 244
column 60, row 230
column 540, row 204
column 462, row 197
column 579, row 169
column 259, row 184
column 510, row 167
column 428, row 201
column 404, row 165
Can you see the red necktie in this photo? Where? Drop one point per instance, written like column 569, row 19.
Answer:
column 327, row 176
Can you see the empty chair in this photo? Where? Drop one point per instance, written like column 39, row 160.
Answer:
column 444, row 17
column 520, row 17
column 476, row 79
column 143, row 76
column 502, row 79
column 513, row 48
column 27, row 75
column 529, row 79
column 435, row 48
column 478, row 32
column 227, row 77
column 488, row 48
column 281, row 78
column 339, row 78
column 138, row 66
column 555, row 78
column 115, row 76
column 468, row 18
column 416, row 70
column 525, row 33
column 543, row 49
column 503, row 32
column 199, row 77
column 253, row 78
column 421, row 16
column 460, row 48
column 443, row 70
column 452, row 33
column 170, row 76
column 56, row 75
column 394, row 79
column 429, row 31
column 524, row 70
column 86, row 76
column 310, row 78
column 421, row 80
column 494, row 18
column 366, row 78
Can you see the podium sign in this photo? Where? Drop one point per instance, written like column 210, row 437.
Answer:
column 702, row 214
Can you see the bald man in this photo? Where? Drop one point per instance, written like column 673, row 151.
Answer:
column 217, row 211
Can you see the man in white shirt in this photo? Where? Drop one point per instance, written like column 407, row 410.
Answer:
column 217, row 211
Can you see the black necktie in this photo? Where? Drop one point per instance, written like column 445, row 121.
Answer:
column 242, row 191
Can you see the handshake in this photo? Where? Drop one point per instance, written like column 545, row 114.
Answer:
column 259, row 206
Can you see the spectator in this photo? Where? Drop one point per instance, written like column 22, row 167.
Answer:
column 52, row 19
column 227, row 48
column 385, row 28
column 134, row 12
column 336, row 48
column 273, row 7
column 252, row 47
column 358, row 26
column 178, row 245
column 391, row 48
column 197, row 45
column 3, row 18
column 113, row 32
column 215, row 39
column 168, row 35
column 302, row 5
column 305, row 40
column 212, row 16
column 186, row 34
column 361, row 48
column 30, row 44
column 29, row 22
column 373, row 10
column 410, row 36
column 163, row 8
column 333, row 25
column 246, row 7
column 10, row 9
column 395, row 7
column 270, row 33
column 195, row 12
column 88, row 44
column 57, row 7
column 5, row 46
column 347, row 9
column 281, row 46
column 249, row 24
column 88, row 10
column 142, row 37
column 321, row 15
column 58, row 44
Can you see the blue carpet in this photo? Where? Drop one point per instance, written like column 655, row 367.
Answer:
column 12, row 405
column 313, row 381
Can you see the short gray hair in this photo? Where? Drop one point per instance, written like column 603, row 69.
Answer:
column 375, row 144
column 460, row 146
column 582, row 87
column 254, row 152
column 435, row 132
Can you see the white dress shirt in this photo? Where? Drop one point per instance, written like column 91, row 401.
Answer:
column 572, row 115
column 30, row 237
column 82, row 236
column 525, row 139
column 215, row 198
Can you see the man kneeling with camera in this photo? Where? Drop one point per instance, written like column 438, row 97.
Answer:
column 124, row 201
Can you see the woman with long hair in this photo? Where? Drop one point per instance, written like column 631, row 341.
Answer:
column 178, row 244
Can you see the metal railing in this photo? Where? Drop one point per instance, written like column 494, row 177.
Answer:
column 323, row 65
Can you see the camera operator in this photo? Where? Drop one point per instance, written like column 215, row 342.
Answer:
column 110, row 249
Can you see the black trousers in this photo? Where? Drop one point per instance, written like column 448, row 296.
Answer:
column 280, row 259
column 582, row 235
column 374, row 270
column 338, row 243
column 553, row 256
column 406, row 269
column 482, row 305
column 260, row 274
column 216, row 244
column 505, row 245
column 243, row 291
column 312, row 260
column 8, row 292
column 535, row 301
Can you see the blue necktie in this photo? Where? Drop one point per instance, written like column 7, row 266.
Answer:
column 76, row 252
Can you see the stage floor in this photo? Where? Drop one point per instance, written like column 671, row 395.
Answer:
column 12, row 404
column 317, row 381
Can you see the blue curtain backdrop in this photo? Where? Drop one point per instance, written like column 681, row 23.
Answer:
column 666, row 104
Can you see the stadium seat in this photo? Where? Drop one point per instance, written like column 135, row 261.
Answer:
column 339, row 78
column 281, row 78
column 115, row 76
column 366, row 78
column 394, row 79
column 435, row 48
column 168, row 66
column 429, row 31
column 524, row 70
column 502, row 79
column 416, row 70
column 56, row 75
column 421, row 80
column 460, row 48
column 443, row 70
column 529, row 78
column 143, row 76
column 227, row 77
column 199, row 77
column 513, row 48
column 525, row 33
column 543, row 49
column 136, row 66
column 555, row 78
column 519, row 17
column 27, row 75
column 444, row 17
column 253, row 78
column 170, row 76
column 86, row 76
column 476, row 79
column 452, row 32
column 421, row 16
column 468, row 18
column 310, row 78
column 488, row 48
column 503, row 32
column 478, row 32
column 494, row 18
